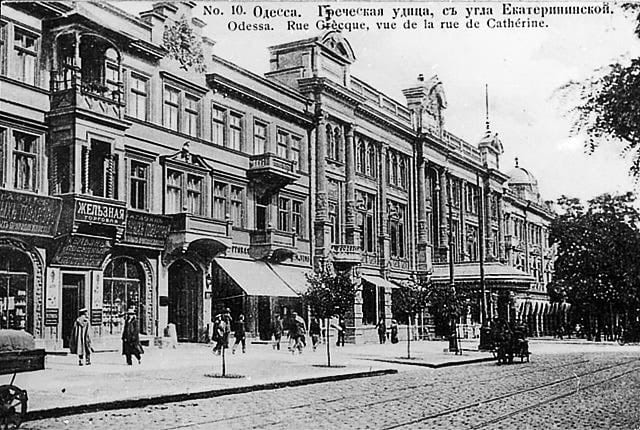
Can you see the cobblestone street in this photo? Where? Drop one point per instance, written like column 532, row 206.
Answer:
column 559, row 391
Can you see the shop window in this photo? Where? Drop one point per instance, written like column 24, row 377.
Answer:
column 25, row 161
column 369, row 316
column 123, row 289
column 138, row 97
column 139, row 185
column 15, row 291
column 25, row 49
column 259, row 138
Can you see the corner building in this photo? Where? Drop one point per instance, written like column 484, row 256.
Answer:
column 139, row 170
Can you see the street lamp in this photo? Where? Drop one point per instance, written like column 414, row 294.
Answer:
column 453, row 337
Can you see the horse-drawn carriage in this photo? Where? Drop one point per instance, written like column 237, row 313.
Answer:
column 508, row 342
column 17, row 354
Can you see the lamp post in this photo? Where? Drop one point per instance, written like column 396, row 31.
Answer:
column 485, row 330
column 453, row 337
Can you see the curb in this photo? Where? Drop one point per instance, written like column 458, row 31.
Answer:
column 181, row 397
column 433, row 365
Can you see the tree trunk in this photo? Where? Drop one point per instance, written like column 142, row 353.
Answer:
column 224, row 364
column 409, row 337
column 328, row 344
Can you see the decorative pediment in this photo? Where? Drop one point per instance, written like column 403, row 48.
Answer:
column 184, row 158
column 184, row 45
column 334, row 42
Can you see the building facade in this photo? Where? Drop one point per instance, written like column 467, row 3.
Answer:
column 138, row 170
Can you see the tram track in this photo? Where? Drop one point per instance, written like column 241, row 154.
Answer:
column 515, row 373
column 476, row 404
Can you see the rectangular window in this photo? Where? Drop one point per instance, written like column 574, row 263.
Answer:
column 3, row 48
column 281, row 144
column 217, row 126
column 25, row 161
column 296, row 218
column 139, row 185
column 25, row 48
column 174, row 192
column 236, row 203
column 191, row 112
column 235, row 131
column 3, row 154
column 283, row 214
column 194, row 195
column 262, row 203
column 171, row 108
column 137, row 105
column 295, row 151
column 259, row 138
column 219, row 200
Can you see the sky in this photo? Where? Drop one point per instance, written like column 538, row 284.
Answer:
column 522, row 68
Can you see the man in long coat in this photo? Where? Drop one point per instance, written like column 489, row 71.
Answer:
column 80, row 342
column 131, row 337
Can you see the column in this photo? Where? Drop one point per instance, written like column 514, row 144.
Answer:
column 351, row 228
column 85, row 170
column 444, row 225
column 463, row 222
column 423, row 258
column 321, row 227
column 487, row 221
column 382, row 207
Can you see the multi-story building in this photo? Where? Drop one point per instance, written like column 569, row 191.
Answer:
column 138, row 170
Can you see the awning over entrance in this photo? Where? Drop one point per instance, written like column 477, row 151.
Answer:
column 293, row 276
column 380, row 282
column 256, row 278
column 494, row 273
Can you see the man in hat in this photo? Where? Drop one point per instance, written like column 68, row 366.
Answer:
column 80, row 342
column 131, row 337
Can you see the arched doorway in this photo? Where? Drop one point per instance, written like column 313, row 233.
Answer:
column 184, row 299
column 123, row 289
column 16, row 290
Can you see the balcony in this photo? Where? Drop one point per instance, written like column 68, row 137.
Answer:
column 204, row 236
column 346, row 254
column 272, row 244
column 271, row 172
column 70, row 91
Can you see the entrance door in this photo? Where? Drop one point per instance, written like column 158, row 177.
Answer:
column 72, row 302
column 184, row 295
column 264, row 317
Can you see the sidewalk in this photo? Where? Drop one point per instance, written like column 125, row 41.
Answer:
column 181, row 374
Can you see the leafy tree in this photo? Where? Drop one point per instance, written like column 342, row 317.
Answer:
column 410, row 299
column 606, row 106
column 445, row 304
column 329, row 294
column 596, row 268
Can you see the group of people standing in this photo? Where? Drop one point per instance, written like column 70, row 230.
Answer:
column 80, row 341
column 222, row 324
column 382, row 331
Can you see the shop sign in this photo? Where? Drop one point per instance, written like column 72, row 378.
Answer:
column 100, row 213
column 147, row 229
column 96, row 298
column 52, row 297
column 51, row 317
column 28, row 213
column 82, row 251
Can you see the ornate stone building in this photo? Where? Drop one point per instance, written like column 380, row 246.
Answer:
column 138, row 170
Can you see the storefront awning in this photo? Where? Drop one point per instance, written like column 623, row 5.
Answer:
column 380, row 282
column 256, row 278
column 494, row 273
column 294, row 276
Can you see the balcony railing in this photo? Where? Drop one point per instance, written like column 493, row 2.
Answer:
column 272, row 244
column 399, row 263
column 346, row 253
column 272, row 171
column 186, row 222
column 70, row 89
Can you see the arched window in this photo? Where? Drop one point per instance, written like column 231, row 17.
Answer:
column 16, row 295
column 123, row 289
column 371, row 163
column 330, row 142
column 360, row 156
column 394, row 169
column 337, row 144
column 403, row 173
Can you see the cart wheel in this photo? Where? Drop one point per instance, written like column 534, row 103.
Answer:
column 13, row 406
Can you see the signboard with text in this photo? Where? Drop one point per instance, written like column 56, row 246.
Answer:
column 28, row 213
column 100, row 213
column 82, row 251
column 147, row 229
column 52, row 297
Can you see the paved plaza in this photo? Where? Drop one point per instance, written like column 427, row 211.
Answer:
column 579, row 386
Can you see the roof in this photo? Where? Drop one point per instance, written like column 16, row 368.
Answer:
column 494, row 273
column 521, row 176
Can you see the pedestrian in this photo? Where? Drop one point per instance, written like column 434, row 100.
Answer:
column 219, row 331
column 315, row 332
column 277, row 330
column 394, row 331
column 131, row 337
column 342, row 328
column 300, row 331
column 382, row 331
column 226, row 317
column 240, row 335
column 80, row 342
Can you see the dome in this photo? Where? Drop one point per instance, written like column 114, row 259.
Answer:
column 521, row 176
